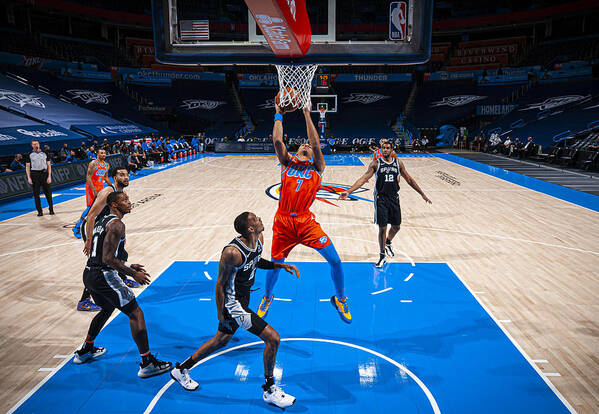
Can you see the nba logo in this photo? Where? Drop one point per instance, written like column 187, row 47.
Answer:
column 398, row 18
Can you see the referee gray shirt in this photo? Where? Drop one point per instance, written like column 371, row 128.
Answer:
column 38, row 161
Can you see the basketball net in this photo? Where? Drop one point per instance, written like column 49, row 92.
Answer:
column 295, row 84
column 323, row 112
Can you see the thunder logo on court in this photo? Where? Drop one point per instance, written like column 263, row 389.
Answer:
column 327, row 193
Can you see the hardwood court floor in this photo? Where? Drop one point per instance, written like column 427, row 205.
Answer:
column 531, row 258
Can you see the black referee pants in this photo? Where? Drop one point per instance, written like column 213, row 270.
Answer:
column 39, row 180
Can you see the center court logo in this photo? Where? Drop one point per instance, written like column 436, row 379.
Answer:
column 326, row 193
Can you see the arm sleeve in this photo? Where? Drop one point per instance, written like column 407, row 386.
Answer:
column 265, row 264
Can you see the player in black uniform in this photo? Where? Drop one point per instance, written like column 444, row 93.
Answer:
column 99, row 208
column 109, row 291
column 388, row 172
column 236, row 270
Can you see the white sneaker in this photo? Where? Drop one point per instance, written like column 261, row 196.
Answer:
column 277, row 396
column 381, row 262
column 153, row 367
column 183, row 378
column 389, row 250
column 94, row 353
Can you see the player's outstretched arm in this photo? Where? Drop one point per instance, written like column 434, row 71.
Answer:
column 230, row 258
column 277, row 139
column 314, row 141
column 90, row 219
column 411, row 182
column 361, row 181
column 268, row 265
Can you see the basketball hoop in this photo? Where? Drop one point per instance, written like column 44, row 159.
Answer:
column 322, row 108
column 295, row 84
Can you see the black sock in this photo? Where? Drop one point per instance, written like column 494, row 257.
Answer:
column 86, row 347
column 187, row 364
column 382, row 254
column 86, row 295
column 145, row 358
column 269, row 381
column 388, row 242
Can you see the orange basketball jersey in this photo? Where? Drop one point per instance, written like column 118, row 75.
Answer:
column 97, row 178
column 98, row 174
column 300, row 182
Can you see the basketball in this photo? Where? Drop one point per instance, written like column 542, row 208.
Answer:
column 293, row 100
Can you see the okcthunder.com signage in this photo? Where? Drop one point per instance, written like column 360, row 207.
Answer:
column 327, row 193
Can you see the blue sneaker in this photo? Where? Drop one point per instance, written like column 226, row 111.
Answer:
column 87, row 306
column 132, row 283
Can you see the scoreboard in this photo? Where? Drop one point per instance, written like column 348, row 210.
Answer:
column 322, row 80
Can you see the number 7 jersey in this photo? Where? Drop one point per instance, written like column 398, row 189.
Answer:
column 300, row 182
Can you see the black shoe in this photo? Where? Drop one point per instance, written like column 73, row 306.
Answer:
column 153, row 367
column 381, row 262
column 51, row 212
column 39, row 214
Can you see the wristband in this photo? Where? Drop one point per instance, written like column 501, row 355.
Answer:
column 278, row 117
column 127, row 264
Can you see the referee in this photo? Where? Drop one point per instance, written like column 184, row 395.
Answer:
column 39, row 174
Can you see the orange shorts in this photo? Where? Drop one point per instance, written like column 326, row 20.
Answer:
column 89, row 194
column 289, row 231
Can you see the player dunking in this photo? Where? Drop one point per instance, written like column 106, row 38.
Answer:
column 388, row 172
column 109, row 291
column 96, row 173
column 294, row 223
column 236, row 270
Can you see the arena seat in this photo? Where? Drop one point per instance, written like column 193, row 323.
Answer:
column 445, row 102
column 205, row 103
column 367, row 109
column 99, row 96
column 550, row 109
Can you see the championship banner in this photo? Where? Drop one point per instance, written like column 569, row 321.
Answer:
column 15, row 184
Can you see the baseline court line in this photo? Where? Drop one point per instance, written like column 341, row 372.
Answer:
column 518, row 347
column 67, row 360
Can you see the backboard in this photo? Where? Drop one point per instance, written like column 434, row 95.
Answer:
column 344, row 32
